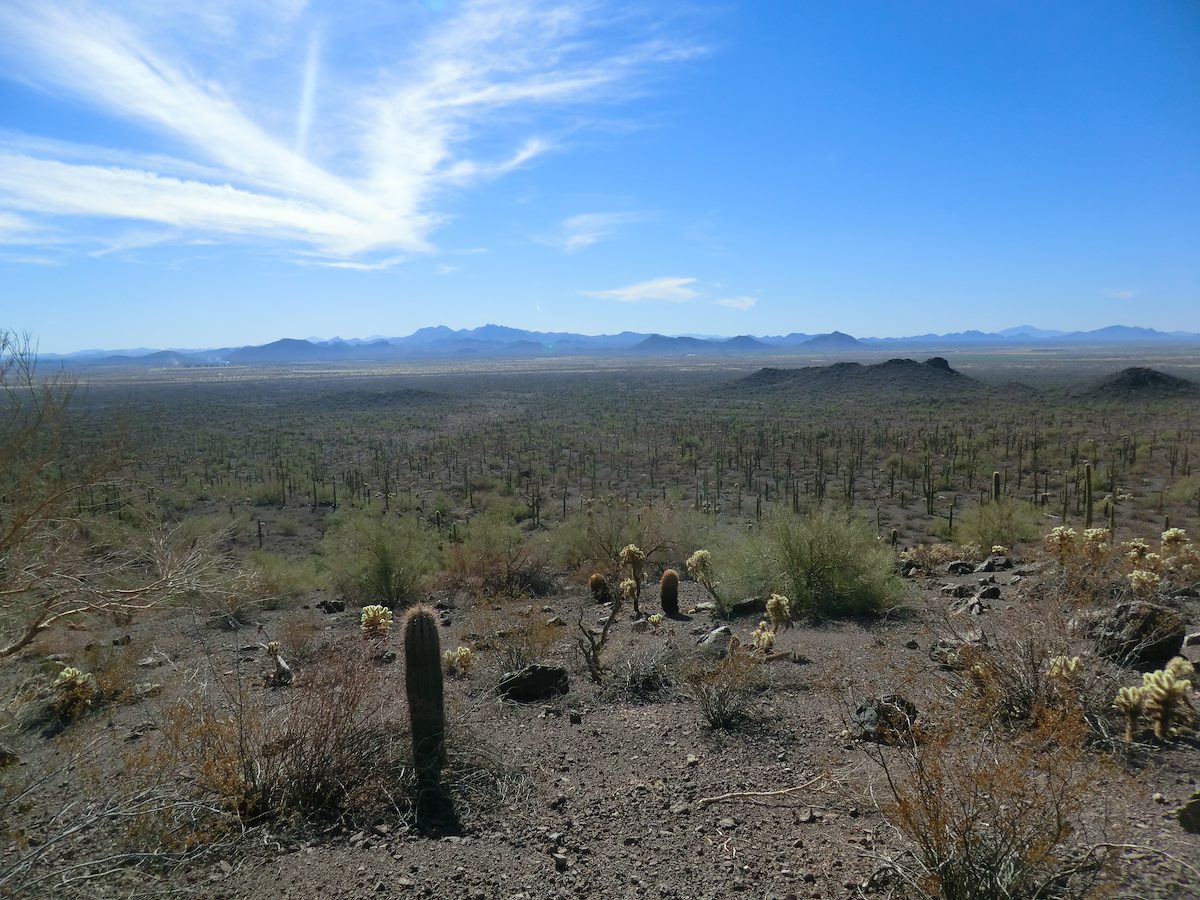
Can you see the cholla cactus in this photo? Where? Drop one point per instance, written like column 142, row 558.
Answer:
column 1095, row 543
column 1135, row 550
column 635, row 559
column 376, row 620
column 1143, row 583
column 283, row 672
column 1063, row 667
column 1061, row 542
column 763, row 637
column 74, row 693
column 656, row 620
column 1173, row 539
column 779, row 608
column 1166, row 700
column 999, row 550
column 699, row 565
column 1129, row 701
column 629, row 588
column 1181, row 669
column 458, row 661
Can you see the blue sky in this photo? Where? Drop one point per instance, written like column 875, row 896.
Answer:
column 231, row 172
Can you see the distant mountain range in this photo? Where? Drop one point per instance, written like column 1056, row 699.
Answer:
column 498, row 342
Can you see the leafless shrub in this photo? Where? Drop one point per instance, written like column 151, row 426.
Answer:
column 995, row 819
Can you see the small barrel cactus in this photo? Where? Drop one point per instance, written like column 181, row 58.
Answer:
column 668, row 591
column 598, row 585
column 423, row 684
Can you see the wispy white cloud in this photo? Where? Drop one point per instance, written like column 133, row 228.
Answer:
column 361, row 164
column 668, row 290
column 586, row 229
column 742, row 303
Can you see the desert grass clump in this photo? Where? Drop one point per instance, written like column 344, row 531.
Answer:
column 375, row 621
column 726, row 691
column 668, row 592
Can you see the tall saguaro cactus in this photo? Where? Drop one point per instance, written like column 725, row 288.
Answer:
column 1087, row 495
column 423, row 683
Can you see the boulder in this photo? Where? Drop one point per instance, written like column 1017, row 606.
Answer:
column 715, row 645
column 534, row 684
column 1140, row 633
column 994, row 564
column 751, row 606
column 332, row 606
column 884, row 720
column 960, row 567
column 1189, row 814
column 991, row 592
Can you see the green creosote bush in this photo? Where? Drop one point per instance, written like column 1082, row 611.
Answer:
column 1004, row 523
column 828, row 563
column 381, row 560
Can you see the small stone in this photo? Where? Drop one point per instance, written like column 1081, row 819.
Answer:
column 726, row 824
column 560, row 862
column 575, row 718
column 991, row 592
column 1158, row 798
column 153, row 661
column 556, row 621
column 692, row 760
column 912, row 645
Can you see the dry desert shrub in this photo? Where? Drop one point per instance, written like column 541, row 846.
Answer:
column 995, row 819
column 726, row 690
column 321, row 748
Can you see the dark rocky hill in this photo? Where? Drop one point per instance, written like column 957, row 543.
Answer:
column 1142, row 381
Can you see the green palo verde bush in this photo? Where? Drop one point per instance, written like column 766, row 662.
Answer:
column 378, row 560
column 1000, row 523
column 828, row 563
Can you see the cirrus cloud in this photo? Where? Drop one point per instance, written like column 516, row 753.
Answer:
column 398, row 106
column 667, row 290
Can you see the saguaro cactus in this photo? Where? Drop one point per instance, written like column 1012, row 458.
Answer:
column 1087, row 495
column 995, row 487
column 423, row 683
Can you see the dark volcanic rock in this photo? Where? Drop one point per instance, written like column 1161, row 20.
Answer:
column 534, row 684
column 884, row 720
column 1141, row 381
column 1139, row 633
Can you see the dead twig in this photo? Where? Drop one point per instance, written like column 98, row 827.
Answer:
column 734, row 795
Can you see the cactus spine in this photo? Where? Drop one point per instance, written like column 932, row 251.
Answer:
column 668, row 590
column 1087, row 495
column 423, row 683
